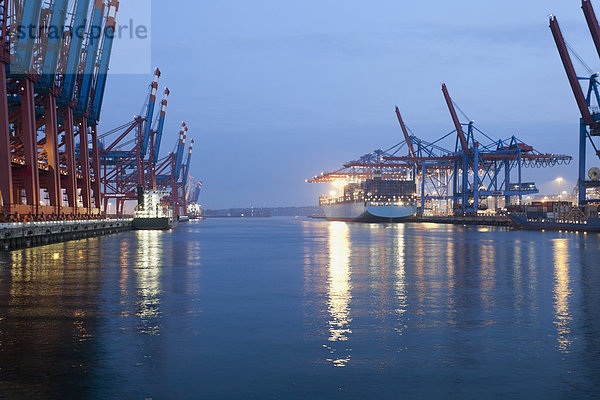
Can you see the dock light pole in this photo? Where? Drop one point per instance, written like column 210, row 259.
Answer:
column 559, row 180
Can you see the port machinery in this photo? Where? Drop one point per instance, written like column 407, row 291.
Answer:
column 54, row 163
column 52, row 79
column 588, row 102
column 478, row 168
column 131, row 161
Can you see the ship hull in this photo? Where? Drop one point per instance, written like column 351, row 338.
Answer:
column 153, row 223
column 361, row 212
column 591, row 225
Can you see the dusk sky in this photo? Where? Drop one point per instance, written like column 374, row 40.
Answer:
column 275, row 92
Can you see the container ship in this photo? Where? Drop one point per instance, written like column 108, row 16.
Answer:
column 372, row 200
column 151, row 213
column 557, row 216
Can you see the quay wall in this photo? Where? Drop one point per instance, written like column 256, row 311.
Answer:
column 15, row 236
column 467, row 220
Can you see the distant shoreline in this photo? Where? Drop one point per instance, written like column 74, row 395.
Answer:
column 264, row 212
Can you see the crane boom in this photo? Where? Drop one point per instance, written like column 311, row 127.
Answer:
column 98, row 92
column 571, row 75
column 150, row 112
column 457, row 126
column 188, row 162
column 75, row 49
column 180, row 147
column 197, row 192
column 592, row 21
column 93, row 44
column 405, row 132
column 161, row 124
column 53, row 43
column 24, row 38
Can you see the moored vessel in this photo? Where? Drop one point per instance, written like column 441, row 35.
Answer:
column 557, row 216
column 151, row 213
column 372, row 200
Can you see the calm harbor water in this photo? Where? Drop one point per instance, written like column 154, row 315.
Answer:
column 283, row 308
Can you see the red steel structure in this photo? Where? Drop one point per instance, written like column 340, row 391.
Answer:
column 473, row 171
column 588, row 102
column 54, row 163
column 51, row 91
column 130, row 159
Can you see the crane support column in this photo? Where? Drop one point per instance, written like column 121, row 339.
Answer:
column 6, row 189
column 581, row 189
column 71, row 178
column 455, row 196
column 96, row 169
column 174, row 186
column 507, row 180
column 476, row 179
column 520, row 179
column 423, row 174
column 51, row 149
column 84, row 160
column 29, row 137
column 465, row 182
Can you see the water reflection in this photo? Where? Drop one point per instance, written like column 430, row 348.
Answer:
column 148, row 275
column 488, row 260
column 562, row 293
column 339, row 289
column 48, row 319
column 400, row 279
column 450, row 279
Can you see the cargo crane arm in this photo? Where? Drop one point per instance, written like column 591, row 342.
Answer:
column 161, row 125
column 188, row 162
column 53, row 44
column 93, row 43
column 457, row 125
column 197, row 192
column 179, row 152
column 150, row 112
column 77, row 31
column 592, row 21
column 98, row 92
column 406, row 135
column 571, row 75
column 24, row 44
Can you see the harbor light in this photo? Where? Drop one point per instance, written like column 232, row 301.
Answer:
column 559, row 180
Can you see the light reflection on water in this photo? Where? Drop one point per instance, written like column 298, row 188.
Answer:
column 488, row 262
column 449, row 261
column 400, row 278
column 303, row 309
column 562, row 293
column 420, row 277
column 148, row 269
column 339, row 293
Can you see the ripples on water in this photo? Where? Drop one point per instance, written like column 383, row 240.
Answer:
column 295, row 309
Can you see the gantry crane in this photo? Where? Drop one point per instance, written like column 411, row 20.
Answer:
column 589, row 125
column 51, row 94
column 463, row 176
